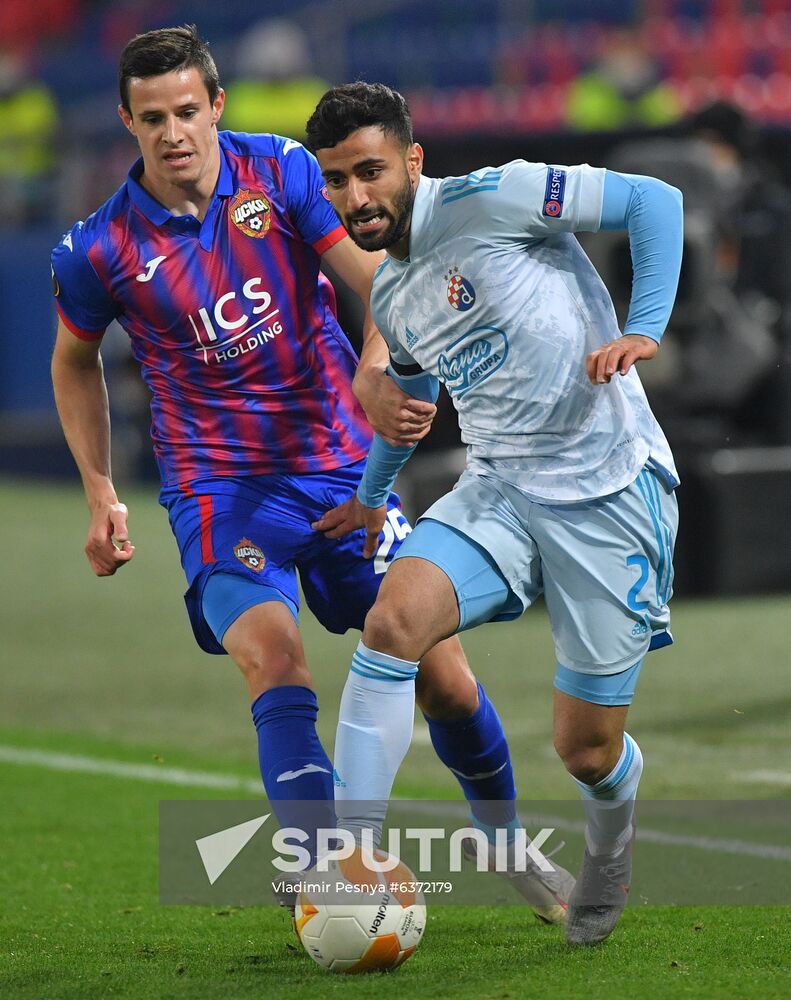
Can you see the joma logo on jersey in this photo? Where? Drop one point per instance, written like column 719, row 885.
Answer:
column 472, row 359
column 250, row 212
column 227, row 329
column 250, row 554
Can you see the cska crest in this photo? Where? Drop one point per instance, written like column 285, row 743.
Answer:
column 250, row 555
column 251, row 213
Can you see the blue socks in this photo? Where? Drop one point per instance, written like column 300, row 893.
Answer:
column 294, row 766
column 295, row 769
column 476, row 751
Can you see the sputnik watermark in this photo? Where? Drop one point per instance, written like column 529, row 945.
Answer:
column 512, row 850
column 224, row 852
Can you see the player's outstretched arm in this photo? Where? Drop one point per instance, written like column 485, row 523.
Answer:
column 81, row 398
column 350, row 516
column 397, row 417
column 368, row 508
column 652, row 213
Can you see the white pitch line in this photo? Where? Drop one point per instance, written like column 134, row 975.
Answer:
column 773, row 852
column 763, row 777
column 78, row 764
column 184, row 778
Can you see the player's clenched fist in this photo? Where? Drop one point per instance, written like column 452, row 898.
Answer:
column 351, row 515
column 399, row 419
column 108, row 546
column 619, row 356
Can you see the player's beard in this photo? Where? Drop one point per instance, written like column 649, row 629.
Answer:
column 399, row 221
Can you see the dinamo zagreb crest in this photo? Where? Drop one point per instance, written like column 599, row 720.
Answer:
column 461, row 294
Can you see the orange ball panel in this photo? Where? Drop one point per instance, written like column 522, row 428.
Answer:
column 308, row 911
column 383, row 954
column 356, row 872
column 407, row 952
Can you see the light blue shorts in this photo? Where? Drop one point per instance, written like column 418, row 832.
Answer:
column 604, row 566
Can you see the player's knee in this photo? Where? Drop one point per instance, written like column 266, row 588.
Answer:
column 587, row 762
column 273, row 666
column 391, row 628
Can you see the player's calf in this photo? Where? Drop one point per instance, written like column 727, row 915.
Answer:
column 265, row 644
column 445, row 688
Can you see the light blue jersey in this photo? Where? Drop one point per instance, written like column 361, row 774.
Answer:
column 498, row 300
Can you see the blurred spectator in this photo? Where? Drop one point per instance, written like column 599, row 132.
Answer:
column 755, row 220
column 622, row 90
column 756, row 213
column 28, row 119
column 274, row 90
column 23, row 24
column 720, row 352
column 123, row 19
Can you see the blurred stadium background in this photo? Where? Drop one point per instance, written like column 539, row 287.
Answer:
column 622, row 83
column 697, row 92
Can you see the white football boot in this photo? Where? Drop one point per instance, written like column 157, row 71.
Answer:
column 600, row 896
column 547, row 892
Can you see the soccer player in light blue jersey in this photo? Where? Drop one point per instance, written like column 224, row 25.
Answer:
column 568, row 490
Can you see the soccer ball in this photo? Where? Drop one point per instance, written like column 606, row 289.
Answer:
column 376, row 931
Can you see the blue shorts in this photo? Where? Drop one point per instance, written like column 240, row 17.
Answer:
column 259, row 528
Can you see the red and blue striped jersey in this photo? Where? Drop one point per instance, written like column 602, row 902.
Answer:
column 231, row 321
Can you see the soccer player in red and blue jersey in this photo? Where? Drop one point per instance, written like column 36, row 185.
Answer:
column 208, row 256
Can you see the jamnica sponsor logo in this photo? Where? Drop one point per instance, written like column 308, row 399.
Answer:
column 473, row 358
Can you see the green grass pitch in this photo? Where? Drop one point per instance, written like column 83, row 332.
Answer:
column 108, row 669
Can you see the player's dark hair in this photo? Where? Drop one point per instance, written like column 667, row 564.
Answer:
column 163, row 51
column 345, row 109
